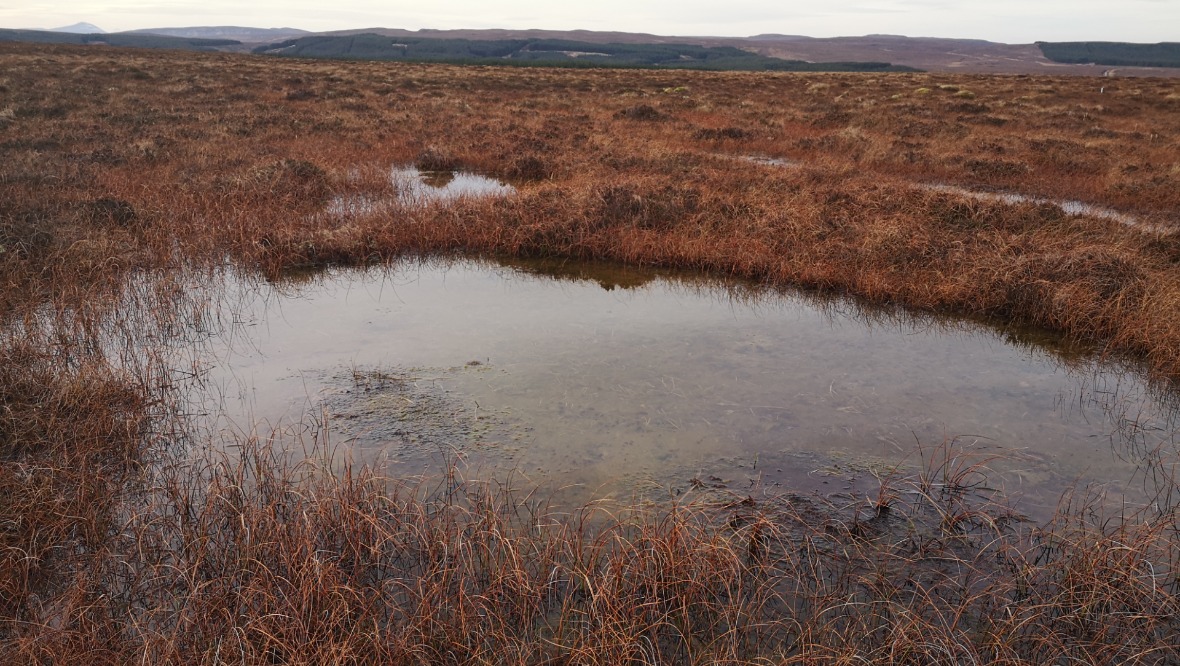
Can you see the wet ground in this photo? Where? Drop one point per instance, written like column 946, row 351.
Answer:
column 1067, row 206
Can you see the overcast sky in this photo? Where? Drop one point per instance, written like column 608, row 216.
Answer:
column 1012, row 21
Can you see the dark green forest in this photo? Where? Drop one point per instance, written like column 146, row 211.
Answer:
column 114, row 39
column 552, row 52
column 1121, row 54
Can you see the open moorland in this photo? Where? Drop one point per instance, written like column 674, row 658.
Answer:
column 130, row 176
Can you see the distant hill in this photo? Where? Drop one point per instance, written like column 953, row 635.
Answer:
column 936, row 54
column 80, row 29
column 237, row 33
column 115, row 39
column 1121, row 54
column 595, row 36
column 975, row 56
column 873, row 52
column 778, row 37
column 552, row 52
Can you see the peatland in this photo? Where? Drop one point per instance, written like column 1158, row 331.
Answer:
column 129, row 178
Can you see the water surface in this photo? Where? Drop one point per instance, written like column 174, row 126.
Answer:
column 419, row 188
column 624, row 381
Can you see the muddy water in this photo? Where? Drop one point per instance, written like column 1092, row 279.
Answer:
column 624, row 383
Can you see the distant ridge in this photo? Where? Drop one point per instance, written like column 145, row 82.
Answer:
column 80, row 29
column 551, row 53
column 128, row 39
column 237, row 33
column 933, row 54
column 1119, row 54
column 771, row 36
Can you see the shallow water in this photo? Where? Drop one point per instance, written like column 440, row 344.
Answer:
column 418, row 188
column 770, row 161
column 627, row 382
column 1067, row 206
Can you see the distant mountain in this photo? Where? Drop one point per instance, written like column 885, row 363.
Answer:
column 236, row 33
column 80, row 29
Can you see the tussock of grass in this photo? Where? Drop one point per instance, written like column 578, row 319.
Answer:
column 70, row 434
column 257, row 558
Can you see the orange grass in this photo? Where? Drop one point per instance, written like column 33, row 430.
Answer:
column 126, row 170
column 118, row 160
column 256, row 558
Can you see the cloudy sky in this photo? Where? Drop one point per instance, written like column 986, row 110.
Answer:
column 1012, row 21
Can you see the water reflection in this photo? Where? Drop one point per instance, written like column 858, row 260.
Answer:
column 1067, row 206
column 418, row 188
column 622, row 380
column 435, row 179
column 608, row 275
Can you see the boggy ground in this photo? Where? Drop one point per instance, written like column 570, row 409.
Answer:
column 128, row 159
column 130, row 170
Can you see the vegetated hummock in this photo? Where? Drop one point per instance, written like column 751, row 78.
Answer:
column 128, row 177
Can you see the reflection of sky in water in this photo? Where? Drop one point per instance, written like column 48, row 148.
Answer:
column 665, row 380
column 416, row 188
column 1069, row 207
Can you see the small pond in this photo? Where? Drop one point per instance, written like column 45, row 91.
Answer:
column 621, row 382
column 417, row 188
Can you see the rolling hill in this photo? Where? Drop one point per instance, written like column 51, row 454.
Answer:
column 550, row 52
column 871, row 52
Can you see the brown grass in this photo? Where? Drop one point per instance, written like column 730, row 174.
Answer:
column 259, row 559
column 118, row 160
column 129, row 172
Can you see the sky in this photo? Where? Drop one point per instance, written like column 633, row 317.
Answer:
column 1011, row 21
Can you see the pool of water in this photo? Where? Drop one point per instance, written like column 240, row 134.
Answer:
column 623, row 382
column 419, row 188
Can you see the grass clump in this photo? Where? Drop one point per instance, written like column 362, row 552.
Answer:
column 71, row 433
column 259, row 558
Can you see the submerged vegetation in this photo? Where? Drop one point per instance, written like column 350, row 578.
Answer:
column 131, row 177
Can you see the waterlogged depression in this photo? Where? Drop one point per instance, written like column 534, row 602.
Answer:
column 623, row 382
column 417, row 188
